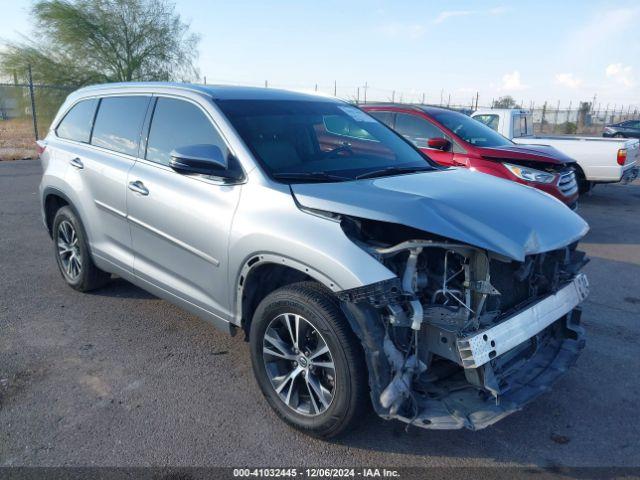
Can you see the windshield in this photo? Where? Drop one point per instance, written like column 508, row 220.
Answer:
column 470, row 130
column 298, row 140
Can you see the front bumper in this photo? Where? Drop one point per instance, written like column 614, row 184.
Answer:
column 511, row 364
column 479, row 348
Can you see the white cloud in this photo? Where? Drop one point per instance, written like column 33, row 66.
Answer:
column 568, row 80
column 498, row 10
column 621, row 74
column 396, row 29
column 447, row 14
column 452, row 13
column 599, row 31
column 512, row 82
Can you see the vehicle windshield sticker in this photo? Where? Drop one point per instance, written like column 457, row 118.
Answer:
column 357, row 115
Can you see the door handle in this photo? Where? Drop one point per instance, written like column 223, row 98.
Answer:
column 138, row 187
column 76, row 162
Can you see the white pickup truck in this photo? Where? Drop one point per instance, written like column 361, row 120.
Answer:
column 600, row 160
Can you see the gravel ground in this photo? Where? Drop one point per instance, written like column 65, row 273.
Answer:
column 119, row 377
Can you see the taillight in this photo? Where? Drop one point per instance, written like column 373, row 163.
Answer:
column 622, row 156
column 40, row 147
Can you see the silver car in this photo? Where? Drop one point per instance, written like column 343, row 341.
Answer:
column 361, row 273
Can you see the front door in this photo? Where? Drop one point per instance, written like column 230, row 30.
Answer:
column 180, row 223
column 419, row 130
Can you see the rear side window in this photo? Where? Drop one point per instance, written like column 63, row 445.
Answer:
column 76, row 124
column 118, row 123
column 417, row 130
column 177, row 123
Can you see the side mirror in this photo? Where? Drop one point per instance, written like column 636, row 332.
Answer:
column 439, row 143
column 204, row 159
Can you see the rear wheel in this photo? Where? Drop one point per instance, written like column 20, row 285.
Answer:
column 72, row 253
column 307, row 361
column 618, row 135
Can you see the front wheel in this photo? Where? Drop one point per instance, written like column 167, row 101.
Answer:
column 307, row 360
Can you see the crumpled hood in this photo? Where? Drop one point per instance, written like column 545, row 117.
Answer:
column 478, row 209
column 530, row 153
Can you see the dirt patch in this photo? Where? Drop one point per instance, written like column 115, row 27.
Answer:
column 13, row 384
column 17, row 141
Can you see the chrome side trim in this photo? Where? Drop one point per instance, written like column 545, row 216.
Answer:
column 478, row 349
column 175, row 241
column 109, row 208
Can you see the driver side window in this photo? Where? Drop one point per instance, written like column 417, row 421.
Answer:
column 417, row 130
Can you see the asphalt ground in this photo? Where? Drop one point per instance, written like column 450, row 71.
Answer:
column 118, row 377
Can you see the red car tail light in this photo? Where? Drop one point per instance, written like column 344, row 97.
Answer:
column 622, row 156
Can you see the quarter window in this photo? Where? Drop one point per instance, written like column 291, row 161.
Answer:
column 177, row 123
column 76, row 125
column 417, row 130
column 118, row 123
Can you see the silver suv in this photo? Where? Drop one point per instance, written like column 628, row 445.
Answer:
column 361, row 273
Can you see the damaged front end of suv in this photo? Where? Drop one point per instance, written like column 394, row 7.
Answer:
column 465, row 333
column 464, row 337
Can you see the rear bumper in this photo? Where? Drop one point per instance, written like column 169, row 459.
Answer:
column 630, row 174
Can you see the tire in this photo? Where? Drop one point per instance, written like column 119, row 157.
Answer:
column 316, row 309
column 618, row 135
column 72, row 253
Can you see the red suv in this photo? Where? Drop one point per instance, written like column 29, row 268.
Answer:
column 454, row 139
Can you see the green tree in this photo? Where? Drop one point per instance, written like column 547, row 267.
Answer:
column 80, row 42
column 505, row 102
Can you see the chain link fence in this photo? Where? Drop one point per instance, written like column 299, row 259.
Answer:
column 19, row 127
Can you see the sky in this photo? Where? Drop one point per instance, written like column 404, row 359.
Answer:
column 536, row 51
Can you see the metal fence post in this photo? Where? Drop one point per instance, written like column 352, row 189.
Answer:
column 33, row 104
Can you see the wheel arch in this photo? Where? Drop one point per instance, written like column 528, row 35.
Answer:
column 264, row 273
column 52, row 201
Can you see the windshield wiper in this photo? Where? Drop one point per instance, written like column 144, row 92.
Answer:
column 392, row 171
column 310, row 176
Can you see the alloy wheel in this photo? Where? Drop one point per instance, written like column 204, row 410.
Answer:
column 299, row 364
column 69, row 250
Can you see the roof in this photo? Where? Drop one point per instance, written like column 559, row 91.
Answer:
column 217, row 92
column 428, row 109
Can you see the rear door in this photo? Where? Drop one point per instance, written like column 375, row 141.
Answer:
column 98, row 171
column 180, row 224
